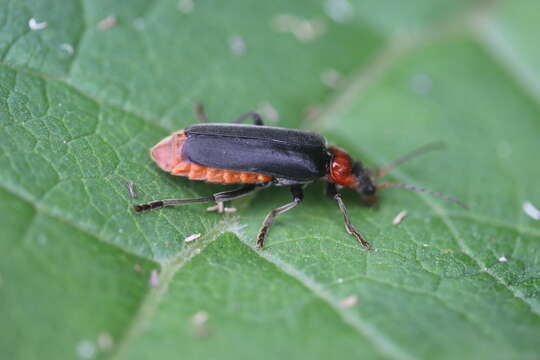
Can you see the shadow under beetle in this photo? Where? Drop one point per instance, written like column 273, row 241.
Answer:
column 260, row 156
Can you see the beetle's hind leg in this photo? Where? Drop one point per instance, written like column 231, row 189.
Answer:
column 217, row 197
column 332, row 192
column 298, row 196
column 257, row 119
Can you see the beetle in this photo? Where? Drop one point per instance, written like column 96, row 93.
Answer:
column 259, row 156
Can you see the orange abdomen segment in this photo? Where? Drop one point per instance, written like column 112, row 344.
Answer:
column 168, row 155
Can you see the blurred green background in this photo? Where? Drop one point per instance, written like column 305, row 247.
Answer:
column 87, row 87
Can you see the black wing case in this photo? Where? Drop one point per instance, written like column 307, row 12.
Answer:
column 283, row 153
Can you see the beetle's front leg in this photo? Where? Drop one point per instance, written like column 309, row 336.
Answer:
column 331, row 191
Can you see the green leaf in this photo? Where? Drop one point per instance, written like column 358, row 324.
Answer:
column 82, row 100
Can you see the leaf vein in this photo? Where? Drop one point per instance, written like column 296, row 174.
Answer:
column 381, row 342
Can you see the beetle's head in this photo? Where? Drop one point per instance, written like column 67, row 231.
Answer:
column 351, row 174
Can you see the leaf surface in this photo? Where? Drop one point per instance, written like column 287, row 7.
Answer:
column 83, row 99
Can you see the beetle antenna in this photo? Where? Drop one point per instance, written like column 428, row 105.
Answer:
column 419, row 189
column 421, row 150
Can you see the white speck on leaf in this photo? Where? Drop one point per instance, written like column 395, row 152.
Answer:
column 154, row 279
column 339, row 281
column 67, row 48
column 302, row 29
column 192, row 237
column 503, row 259
column 198, row 321
column 186, row 6
column 199, row 318
column 33, row 24
column 425, row 245
column 131, row 189
column 399, row 217
column 349, row 301
column 237, row 45
column 330, row 78
column 219, row 207
column 531, row 210
column 339, row 10
column 105, row 341
column 86, row 349
column 421, row 84
column 107, row 23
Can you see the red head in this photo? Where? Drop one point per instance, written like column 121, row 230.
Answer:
column 348, row 173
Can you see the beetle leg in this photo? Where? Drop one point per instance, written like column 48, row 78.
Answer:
column 298, row 196
column 217, row 197
column 331, row 191
column 257, row 119
column 201, row 114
